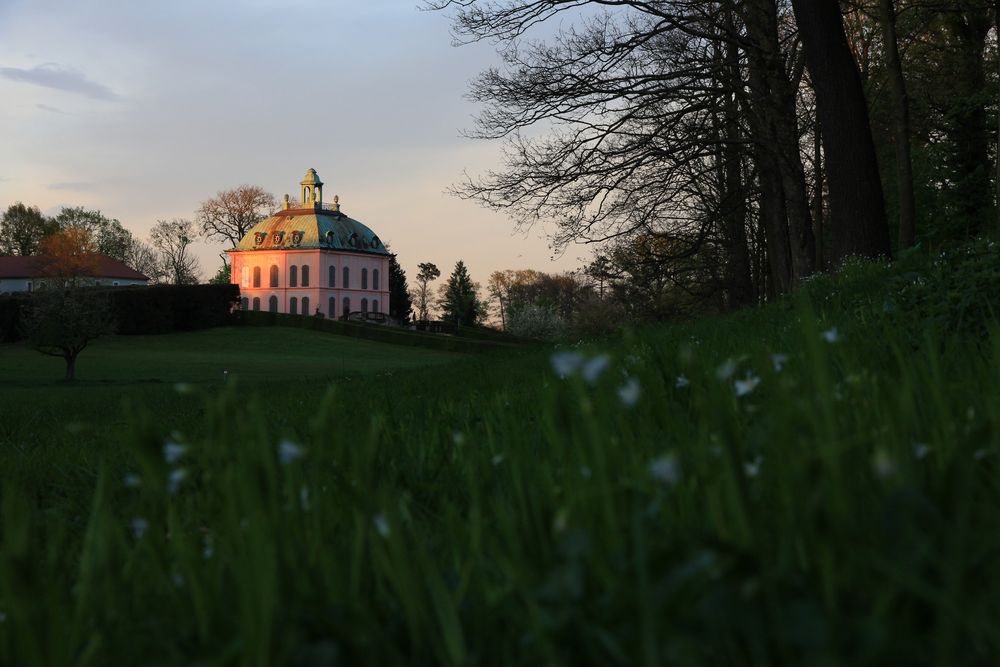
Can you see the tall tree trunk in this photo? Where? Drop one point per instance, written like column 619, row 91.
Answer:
column 738, row 280
column 774, row 101
column 818, row 195
column 70, row 366
column 856, row 200
column 774, row 219
column 901, row 117
column 970, row 27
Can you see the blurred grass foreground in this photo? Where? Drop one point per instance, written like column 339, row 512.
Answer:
column 812, row 482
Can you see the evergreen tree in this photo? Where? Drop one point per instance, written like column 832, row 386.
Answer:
column 460, row 298
column 400, row 305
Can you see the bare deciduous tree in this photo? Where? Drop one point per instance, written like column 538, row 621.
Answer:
column 173, row 238
column 230, row 214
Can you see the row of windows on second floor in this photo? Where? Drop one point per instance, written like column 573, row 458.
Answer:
column 301, row 307
column 299, row 277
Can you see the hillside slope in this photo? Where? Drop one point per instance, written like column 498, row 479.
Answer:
column 813, row 482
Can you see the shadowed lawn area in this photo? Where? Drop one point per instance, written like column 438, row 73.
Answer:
column 201, row 357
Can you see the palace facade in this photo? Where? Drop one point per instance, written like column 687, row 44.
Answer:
column 310, row 258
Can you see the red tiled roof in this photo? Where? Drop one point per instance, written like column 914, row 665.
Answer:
column 36, row 267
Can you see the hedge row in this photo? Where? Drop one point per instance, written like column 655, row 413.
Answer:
column 167, row 308
column 374, row 332
column 145, row 310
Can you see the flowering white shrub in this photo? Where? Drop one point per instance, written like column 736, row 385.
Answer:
column 531, row 321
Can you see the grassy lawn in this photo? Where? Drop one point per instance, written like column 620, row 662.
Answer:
column 814, row 482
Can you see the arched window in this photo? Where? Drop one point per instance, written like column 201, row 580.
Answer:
column 274, row 275
column 305, row 193
column 293, row 306
column 347, row 278
column 293, row 276
column 375, row 306
column 305, row 276
column 374, row 278
column 332, row 307
column 305, row 306
column 347, row 307
column 246, row 303
column 256, row 276
column 364, row 278
column 272, row 304
column 364, row 305
column 256, row 303
column 333, row 276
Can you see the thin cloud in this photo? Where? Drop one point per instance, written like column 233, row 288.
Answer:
column 58, row 77
column 75, row 186
column 46, row 107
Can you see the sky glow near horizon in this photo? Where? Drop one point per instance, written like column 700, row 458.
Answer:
column 143, row 110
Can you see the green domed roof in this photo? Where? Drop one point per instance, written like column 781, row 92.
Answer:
column 304, row 229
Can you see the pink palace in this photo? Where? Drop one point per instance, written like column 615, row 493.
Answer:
column 310, row 258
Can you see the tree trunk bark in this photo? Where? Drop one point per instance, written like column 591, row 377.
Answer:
column 970, row 27
column 70, row 367
column 774, row 98
column 856, row 200
column 818, row 196
column 734, row 206
column 901, row 116
column 773, row 216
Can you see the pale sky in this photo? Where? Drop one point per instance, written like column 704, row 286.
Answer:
column 143, row 109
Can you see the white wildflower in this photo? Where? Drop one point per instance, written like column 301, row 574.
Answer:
column 458, row 437
column 883, row 465
column 831, row 335
column 566, row 363
column 289, row 452
column 131, row 481
column 746, row 385
column 682, row 382
column 208, row 549
column 381, row 525
column 778, row 361
column 304, row 498
column 595, row 367
column 174, row 480
column 921, row 450
column 138, row 525
column 173, row 451
column 629, row 392
column 726, row 370
column 752, row 468
column 665, row 470
column 497, row 460
column 585, row 472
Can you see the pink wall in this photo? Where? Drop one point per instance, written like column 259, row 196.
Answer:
column 319, row 291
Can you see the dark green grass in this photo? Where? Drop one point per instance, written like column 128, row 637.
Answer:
column 840, row 508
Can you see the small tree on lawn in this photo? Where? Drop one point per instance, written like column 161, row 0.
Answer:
column 62, row 321
column 460, row 298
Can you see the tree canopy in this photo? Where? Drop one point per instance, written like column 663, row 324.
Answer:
column 22, row 229
column 230, row 214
